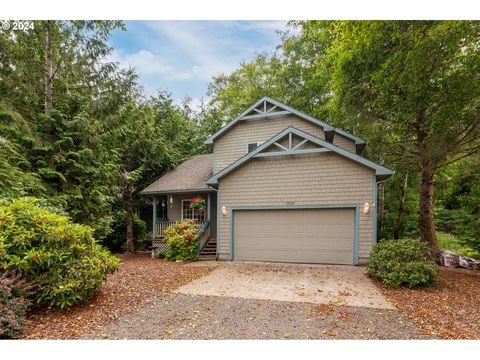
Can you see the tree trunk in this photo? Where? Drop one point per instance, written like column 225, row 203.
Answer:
column 397, row 234
column 48, row 70
column 426, row 216
column 129, row 199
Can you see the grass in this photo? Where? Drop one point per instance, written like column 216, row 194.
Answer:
column 452, row 243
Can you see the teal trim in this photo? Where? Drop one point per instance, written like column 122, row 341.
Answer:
column 200, row 233
column 374, row 211
column 292, row 152
column 357, row 140
column 300, row 144
column 265, row 115
column 176, row 191
column 154, row 219
column 280, row 146
column 379, row 170
column 232, row 229
column 355, row 236
column 208, row 206
column 326, row 127
column 356, row 209
column 218, row 224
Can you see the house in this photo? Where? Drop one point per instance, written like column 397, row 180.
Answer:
column 280, row 186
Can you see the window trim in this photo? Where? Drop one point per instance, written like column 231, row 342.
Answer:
column 181, row 211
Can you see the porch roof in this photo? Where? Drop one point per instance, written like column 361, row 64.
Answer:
column 189, row 176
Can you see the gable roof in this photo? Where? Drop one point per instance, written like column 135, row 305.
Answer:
column 276, row 108
column 189, row 175
column 380, row 171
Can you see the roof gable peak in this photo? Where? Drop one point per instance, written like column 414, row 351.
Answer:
column 267, row 107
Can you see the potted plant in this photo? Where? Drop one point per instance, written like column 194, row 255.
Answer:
column 198, row 204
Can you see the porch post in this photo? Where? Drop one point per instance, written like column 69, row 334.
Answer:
column 208, row 207
column 154, row 220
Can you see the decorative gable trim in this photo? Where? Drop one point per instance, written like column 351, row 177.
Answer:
column 322, row 146
column 268, row 108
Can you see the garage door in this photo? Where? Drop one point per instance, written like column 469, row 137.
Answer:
column 322, row 236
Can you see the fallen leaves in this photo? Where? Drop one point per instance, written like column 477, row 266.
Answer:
column 451, row 310
column 138, row 280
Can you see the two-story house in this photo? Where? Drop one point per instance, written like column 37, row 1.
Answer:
column 280, row 186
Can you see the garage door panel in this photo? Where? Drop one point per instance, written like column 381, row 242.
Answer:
column 300, row 235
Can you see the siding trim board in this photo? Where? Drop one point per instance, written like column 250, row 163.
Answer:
column 374, row 211
column 294, row 207
column 167, row 192
column 218, row 238
column 379, row 170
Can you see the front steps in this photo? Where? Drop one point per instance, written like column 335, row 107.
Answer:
column 209, row 252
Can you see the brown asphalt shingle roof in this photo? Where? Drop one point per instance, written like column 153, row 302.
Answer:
column 189, row 175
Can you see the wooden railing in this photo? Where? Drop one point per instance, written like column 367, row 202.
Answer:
column 162, row 225
column 203, row 236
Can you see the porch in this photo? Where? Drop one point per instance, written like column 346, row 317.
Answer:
column 170, row 208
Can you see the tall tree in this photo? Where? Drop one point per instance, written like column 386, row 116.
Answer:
column 419, row 81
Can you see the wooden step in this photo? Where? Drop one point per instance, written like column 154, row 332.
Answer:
column 207, row 257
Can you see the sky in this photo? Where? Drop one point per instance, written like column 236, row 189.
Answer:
column 183, row 56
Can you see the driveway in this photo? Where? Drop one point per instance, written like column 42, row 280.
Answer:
column 267, row 301
column 317, row 284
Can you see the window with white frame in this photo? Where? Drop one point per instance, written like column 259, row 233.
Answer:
column 189, row 213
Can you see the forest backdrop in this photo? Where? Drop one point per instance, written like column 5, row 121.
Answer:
column 79, row 132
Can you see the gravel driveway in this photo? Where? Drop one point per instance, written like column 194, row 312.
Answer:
column 318, row 284
column 181, row 316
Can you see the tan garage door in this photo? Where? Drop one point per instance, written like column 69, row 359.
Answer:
column 322, row 236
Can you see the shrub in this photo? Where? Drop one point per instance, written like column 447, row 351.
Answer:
column 159, row 253
column 14, row 302
column 116, row 241
column 405, row 262
column 182, row 241
column 61, row 257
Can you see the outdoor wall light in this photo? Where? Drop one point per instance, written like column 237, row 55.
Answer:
column 171, row 199
column 224, row 211
column 366, row 208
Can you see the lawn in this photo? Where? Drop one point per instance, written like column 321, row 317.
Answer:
column 138, row 281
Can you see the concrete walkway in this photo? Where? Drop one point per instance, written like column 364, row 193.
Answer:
column 317, row 284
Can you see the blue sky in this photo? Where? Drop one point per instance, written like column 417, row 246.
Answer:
column 183, row 56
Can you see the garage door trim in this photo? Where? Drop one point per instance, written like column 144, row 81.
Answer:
column 294, row 207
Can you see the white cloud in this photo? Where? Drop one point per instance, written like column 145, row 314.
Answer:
column 215, row 46
column 148, row 64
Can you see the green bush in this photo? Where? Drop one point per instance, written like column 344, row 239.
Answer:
column 159, row 253
column 61, row 257
column 405, row 262
column 14, row 302
column 455, row 244
column 116, row 241
column 182, row 241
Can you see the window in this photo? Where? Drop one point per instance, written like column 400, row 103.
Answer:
column 253, row 146
column 189, row 213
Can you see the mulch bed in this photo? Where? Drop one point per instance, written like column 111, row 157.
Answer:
column 137, row 282
column 451, row 310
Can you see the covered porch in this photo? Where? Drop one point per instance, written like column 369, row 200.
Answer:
column 171, row 196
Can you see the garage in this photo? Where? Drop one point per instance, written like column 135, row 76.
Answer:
column 316, row 236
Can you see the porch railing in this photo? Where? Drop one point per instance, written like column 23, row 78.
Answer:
column 162, row 225
column 203, row 236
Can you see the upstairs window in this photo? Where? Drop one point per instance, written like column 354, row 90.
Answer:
column 253, row 146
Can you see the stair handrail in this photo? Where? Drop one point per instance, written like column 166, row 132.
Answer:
column 202, row 242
